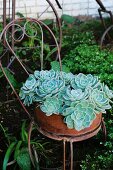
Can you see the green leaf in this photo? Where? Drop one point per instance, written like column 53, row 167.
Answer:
column 51, row 52
column 20, row 15
column 17, row 149
column 5, row 132
column 56, row 67
column 24, row 134
column 24, row 52
column 1, row 73
column 11, row 78
column 68, row 19
column 8, row 154
column 23, row 159
column 48, row 21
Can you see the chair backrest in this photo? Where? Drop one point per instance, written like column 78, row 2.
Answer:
column 32, row 35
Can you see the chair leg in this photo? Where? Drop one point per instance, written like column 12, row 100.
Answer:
column 29, row 142
column 103, row 126
column 71, row 150
column 64, row 155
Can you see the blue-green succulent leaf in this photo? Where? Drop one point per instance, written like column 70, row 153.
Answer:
column 51, row 105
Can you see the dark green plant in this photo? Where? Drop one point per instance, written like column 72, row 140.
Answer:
column 17, row 150
column 95, row 25
column 11, row 78
column 72, row 37
column 23, row 159
column 68, row 19
column 19, row 14
column 90, row 59
column 56, row 67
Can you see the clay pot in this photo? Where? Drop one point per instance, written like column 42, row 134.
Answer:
column 54, row 124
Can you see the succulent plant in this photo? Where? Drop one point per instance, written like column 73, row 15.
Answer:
column 80, row 116
column 74, row 94
column 50, row 87
column 82, row 81
column 51, row 105
column 27, row 91
column 68, row 77
column 107, row 91
column 100, row 101
column 78, row 98
column 45, row 74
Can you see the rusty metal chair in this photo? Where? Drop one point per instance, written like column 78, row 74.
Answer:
column 11, row 39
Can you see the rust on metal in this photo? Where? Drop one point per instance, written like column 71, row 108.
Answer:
column 55, row 127
column 68, row 138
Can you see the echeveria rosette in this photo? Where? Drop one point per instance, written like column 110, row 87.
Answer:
column 50, row 87
column 108, row 92
column 51, row 105
column 74, row 95
column 27, row 90
column 83, row 81
column 68, row 77
column 46, row 75
column 100, row 101
column 81, row 116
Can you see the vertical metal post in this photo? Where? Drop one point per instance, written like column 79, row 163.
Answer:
column 4, row 13
column 13, row 17
column 64, row 159
column 10, row 17
column 9, row 10
column 71, row 150
column 4, row 17
column 13, row 9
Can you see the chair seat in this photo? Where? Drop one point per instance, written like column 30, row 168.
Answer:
column 54, row 127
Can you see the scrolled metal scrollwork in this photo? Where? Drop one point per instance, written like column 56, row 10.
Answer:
column 20, row 32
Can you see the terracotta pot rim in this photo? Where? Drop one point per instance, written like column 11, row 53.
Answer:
column 54, row 127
